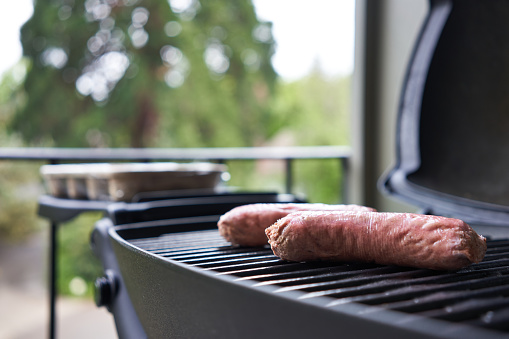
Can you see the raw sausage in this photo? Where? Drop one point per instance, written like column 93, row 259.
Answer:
column 404, row 239
column 245, row 225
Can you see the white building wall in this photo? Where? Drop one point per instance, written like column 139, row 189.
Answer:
column 386, row 31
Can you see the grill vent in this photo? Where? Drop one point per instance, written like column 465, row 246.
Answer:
column 477, row 295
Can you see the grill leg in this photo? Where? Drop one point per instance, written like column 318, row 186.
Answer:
column 53, row 281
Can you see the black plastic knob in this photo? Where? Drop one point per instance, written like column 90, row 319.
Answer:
column 102, row 291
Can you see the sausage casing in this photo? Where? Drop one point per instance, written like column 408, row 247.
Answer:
column 404, row 239
column 245, row 225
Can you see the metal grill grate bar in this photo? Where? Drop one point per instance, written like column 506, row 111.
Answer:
column 207, row 256
column 442, row 299
column 330, row 275
column 232, row 268
column 415, row 290
column 468, row 309
column 356, row 280
column 285, row 268
column 176, row 240
column 222, row 260
column 307, row 271
column 398, row 290
column 494, row 319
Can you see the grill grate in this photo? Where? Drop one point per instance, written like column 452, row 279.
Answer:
column 477, row 295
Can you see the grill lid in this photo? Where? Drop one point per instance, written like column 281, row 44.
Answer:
column 452, row 144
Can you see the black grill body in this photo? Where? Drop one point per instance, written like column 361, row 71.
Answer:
column 186, row 281
column 111, row 289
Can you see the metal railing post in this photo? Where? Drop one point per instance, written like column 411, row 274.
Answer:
column 345, row 179
column 289, row 175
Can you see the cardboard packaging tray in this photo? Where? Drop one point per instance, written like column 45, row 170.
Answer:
column 122, row 181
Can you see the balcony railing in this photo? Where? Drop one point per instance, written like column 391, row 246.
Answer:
column 219, row 155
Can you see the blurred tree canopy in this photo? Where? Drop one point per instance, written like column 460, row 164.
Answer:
column 139, row 73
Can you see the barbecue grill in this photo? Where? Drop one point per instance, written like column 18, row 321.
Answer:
column 168, row 272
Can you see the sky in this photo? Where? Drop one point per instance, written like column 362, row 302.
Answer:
column 309, row 31
column 306, row 32
column 12, row 15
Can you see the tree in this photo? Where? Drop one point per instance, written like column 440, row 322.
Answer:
column 134, row 73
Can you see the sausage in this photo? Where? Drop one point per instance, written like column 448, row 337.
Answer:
column 245, row 225
column 403, row 239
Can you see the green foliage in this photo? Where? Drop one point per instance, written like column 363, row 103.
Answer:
column 313, row 111
column 262, row 175
column 75, row 257
column 145, row 73
column 319, row 180
column 19, row 190
column 20, row 185
column 11, row 99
